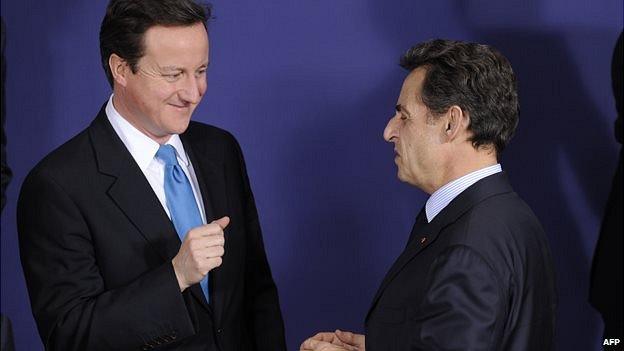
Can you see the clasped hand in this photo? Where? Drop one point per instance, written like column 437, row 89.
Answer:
column 201, row 251
column 336, row 341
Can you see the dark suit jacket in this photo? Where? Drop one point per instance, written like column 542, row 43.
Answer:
column 478, row 277
column 606, row 287
column 96, row 248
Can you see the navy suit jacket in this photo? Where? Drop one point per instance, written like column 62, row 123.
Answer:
column 478, row 277
column 96, row 247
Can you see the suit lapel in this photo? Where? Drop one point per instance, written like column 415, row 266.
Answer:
column 424, row 234
column 209, row 171
column 130, row 191
column 134, row 196
column 412, row 248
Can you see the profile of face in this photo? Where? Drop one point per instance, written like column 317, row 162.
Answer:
column 418, row 137
column 170, row 80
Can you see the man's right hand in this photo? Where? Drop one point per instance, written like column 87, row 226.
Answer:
column 336, row 341
column 201, row 252
column 358, row 341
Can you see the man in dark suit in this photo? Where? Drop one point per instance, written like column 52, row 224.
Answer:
column 141, row 232
column 476, row 273
column 607, row 288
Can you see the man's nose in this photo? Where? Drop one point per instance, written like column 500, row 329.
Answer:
column 390, row 132
column 192, row 90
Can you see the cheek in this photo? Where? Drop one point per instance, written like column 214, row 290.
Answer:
column 411, row 141
column 156, row 91
column 152, row 101
column 142, row 101
column 145, row 95
column 165, row 93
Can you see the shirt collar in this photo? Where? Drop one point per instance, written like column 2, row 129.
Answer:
column 141, row 147
column 443, row 196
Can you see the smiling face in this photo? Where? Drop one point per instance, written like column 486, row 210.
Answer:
column 169, row 82
column 418, row 137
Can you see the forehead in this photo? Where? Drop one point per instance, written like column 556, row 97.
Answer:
column 412, row 86
column 180, row 41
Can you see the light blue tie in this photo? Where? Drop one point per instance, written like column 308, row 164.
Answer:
column 180, row 199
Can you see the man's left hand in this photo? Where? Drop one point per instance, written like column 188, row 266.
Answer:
column 326, row 342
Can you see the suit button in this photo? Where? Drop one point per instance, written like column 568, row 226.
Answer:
column 219, row 331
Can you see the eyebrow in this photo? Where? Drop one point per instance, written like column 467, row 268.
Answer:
column 174, row 68
column 400, row 108
column 170, row 68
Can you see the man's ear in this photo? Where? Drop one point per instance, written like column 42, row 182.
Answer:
column 455, row 123
column 119, row 69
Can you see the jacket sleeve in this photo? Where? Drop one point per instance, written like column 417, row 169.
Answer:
column 263, row 314
column 464, row 304
column 73, row 307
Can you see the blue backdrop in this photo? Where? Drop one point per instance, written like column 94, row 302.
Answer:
column 307, row 87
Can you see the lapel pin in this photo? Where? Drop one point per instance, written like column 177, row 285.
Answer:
column 423, row 239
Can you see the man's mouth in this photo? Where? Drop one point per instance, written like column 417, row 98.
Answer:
column 180, row 106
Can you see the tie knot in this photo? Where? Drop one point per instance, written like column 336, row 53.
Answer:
column 167, row 154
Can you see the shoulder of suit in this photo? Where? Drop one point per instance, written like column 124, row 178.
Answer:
column 78, row 154
column 212, row 139
column 77, row 151
column 203, row 130
column 496, row 220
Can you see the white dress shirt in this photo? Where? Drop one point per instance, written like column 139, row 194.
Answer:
column 143, row 149
column 443, row 196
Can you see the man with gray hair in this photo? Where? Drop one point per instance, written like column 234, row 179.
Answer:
column 476, row 273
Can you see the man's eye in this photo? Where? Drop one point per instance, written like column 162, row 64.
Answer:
column 403, row 117
column 200, row 73
column 173, row 77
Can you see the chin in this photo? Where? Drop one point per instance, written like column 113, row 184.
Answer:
column 405, row 178
column 182, row 129
column 401, row 176
column 179, row 124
